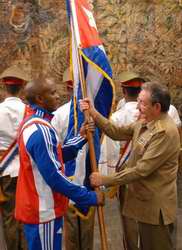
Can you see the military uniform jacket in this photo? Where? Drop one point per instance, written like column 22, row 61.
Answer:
column 151, row 170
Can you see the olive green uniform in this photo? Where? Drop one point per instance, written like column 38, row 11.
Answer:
column 151, row 171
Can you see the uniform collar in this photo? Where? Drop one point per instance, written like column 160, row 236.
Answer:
column 151, row 125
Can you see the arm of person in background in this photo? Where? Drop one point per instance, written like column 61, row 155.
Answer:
column 173, row 112
column 180, row 154
column 71, row 147
column 174, row 115
column 42, row 147
column 60, row 121
column 108, row 127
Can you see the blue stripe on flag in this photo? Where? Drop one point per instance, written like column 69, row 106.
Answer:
column 97, row 55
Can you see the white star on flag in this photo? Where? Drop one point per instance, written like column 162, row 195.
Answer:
column 90, row 18
column 60, row 230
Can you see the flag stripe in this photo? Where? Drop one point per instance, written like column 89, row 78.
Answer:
column 87, row 47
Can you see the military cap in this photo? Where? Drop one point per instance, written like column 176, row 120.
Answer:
column 130, row 79
column 14, row 75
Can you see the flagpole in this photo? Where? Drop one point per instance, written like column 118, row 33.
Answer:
column 100, row 212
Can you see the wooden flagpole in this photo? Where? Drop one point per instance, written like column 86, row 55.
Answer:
column 102, row 227
column 75, row 30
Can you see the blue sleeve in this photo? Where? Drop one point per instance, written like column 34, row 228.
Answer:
column 42, row 147
column 71, row 147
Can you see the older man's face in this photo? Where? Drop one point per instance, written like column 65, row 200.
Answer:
column 145, row 106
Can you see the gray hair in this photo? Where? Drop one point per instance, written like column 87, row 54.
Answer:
column 159, row 94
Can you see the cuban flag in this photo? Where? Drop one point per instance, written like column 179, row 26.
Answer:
column 87, row 47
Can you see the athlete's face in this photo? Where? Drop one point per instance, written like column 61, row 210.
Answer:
column 50, row 97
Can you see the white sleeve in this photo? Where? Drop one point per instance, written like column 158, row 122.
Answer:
column 110, row 149
column 174, row 115
column 109, row 155
column 60, row 123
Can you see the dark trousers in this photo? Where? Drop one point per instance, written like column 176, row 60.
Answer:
column 143, row 236
column 79, row 232
column 12, row 229
column 130, row 234
column 156, row 237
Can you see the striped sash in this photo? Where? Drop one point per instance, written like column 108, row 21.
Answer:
column 124, row 155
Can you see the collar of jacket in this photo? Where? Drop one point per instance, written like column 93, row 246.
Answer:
column 41, row 112
column 156, row 124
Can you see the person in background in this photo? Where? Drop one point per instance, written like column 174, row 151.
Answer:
column 117, row 152
column 151, row 171
column 12, row 111
column 124, row 115
column 2, row 239
column 79, row 232
column 60, row 120
column 174, row 115
column 42, row 187
column 127, row 76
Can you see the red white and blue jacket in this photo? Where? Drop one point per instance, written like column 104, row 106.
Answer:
column 42, row 185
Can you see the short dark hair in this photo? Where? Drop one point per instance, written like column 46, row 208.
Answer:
column 159, row 94
column 13, row 89
column 133, row 92
column 35, row 88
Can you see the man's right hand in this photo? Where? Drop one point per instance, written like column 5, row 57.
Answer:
column 86, row 104
column 100, row 198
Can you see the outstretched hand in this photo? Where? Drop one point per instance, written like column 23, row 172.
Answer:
column 96, row 179
column 86, row 104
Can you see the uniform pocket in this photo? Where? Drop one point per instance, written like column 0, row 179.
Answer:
column 141, row 192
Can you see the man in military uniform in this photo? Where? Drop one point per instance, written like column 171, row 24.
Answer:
column 12, row 111
column 151, row 171
column 115, row 153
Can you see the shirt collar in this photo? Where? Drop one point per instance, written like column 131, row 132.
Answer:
column 151, row 124
column 12, row 98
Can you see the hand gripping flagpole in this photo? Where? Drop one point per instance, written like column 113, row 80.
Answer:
column 100, row 212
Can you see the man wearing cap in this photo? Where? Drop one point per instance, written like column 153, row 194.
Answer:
column 116, row 153
column 78, row 232
column 12, row 111
column 126, row 113
column 61, row 115
column 129, row 78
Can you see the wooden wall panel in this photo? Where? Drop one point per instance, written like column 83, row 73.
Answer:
column 140, row 35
